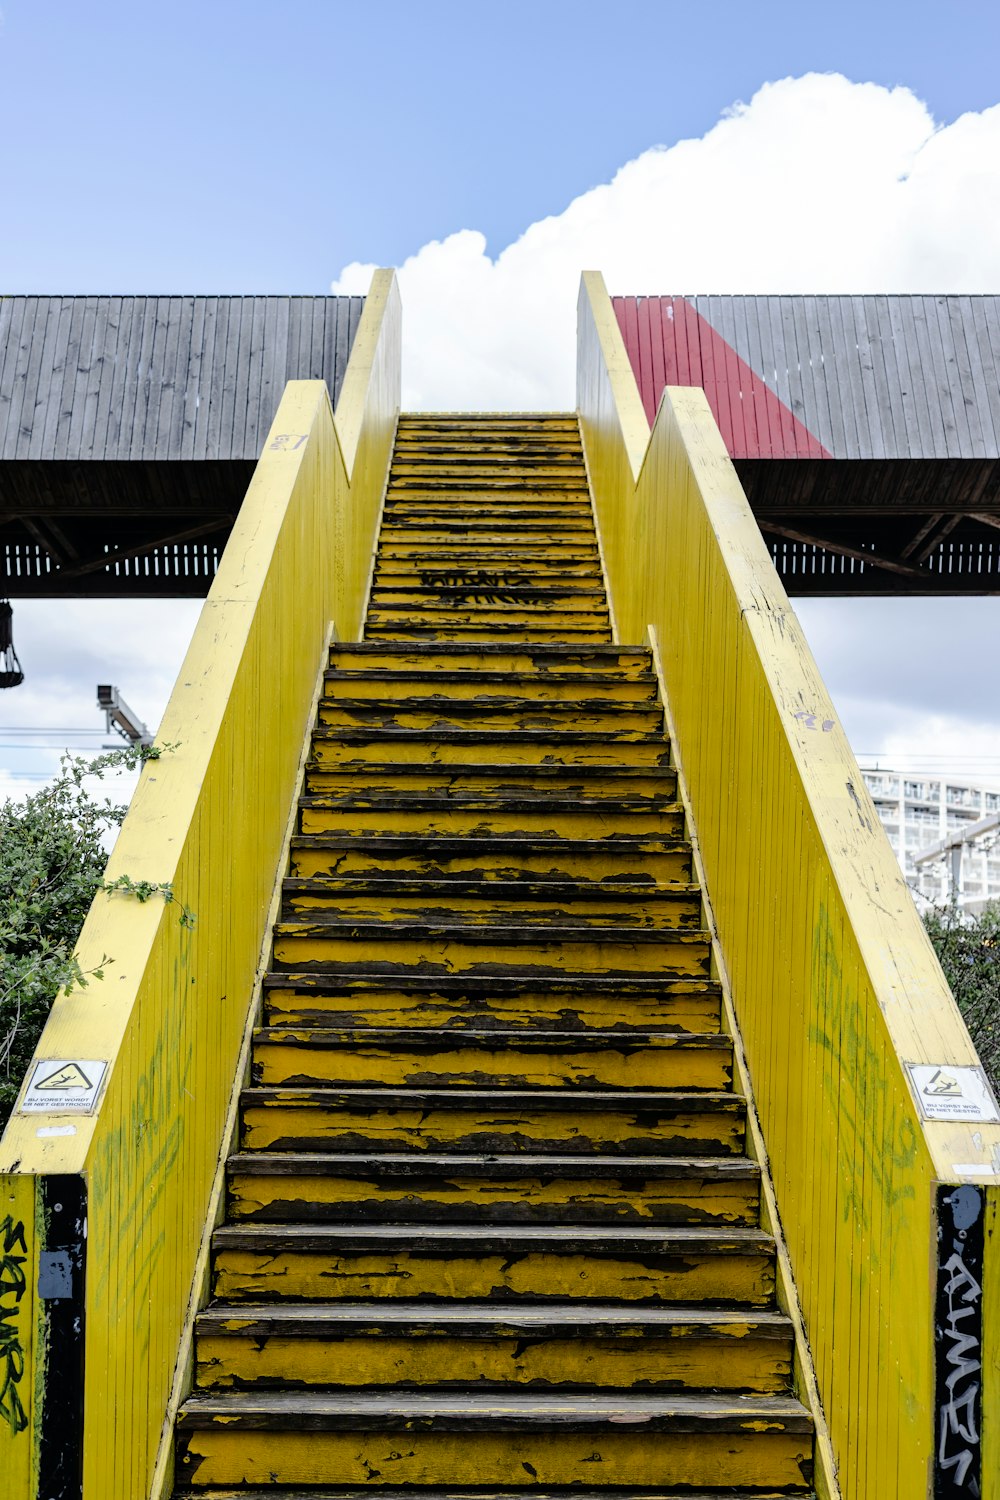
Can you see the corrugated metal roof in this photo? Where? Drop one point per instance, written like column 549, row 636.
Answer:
column 160, row 378
column 861, row 377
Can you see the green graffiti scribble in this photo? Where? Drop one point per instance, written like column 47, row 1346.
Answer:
column 134, row 1162
column 882, row 1153
column 13, row 1283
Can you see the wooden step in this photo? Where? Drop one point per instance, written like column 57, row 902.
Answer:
column 459, row 813
column 577, row 1122
column 520, row 1441
column 506, row 1003
column 462, row 744
column 524, row 1262
column 499, row 779
column 404, row 1187
column 492, row 688
column 407, row 1345
column 449, row 948
column 547, row 658
column 435, row 1058
column 565, row 903
column 492, row 857
column 412, row 634
column 389, row 1493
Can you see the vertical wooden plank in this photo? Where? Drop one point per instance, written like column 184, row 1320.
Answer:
column 941, row 381
column 644, row 369
column 936, row 431
column 969, row 374
column 171, row 435
column 887, row 375
column 768, row 436
column 227, row 364
column 120, row 379
column 922, row 444
column 985, row 317
column 732, row 326
column 207, row 384
column 715, row 384
column 55, row 370
column 67, row 375
column 81, row 395
column 671, row 359
column 657, row 333
column 17, row 364
column 106, row 345
column 881, row 441
column 12, row 311
column 133, row 398
column 292, row 351
column 825, row 393
column 772, row 331
column 193, row 380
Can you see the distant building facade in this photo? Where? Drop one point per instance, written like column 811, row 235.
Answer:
column 918, row 809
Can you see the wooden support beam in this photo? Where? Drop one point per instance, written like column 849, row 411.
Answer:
column 921, row 533
column 985, row 519
column 44, row 541
column 94, row 564
column 937, row 537
column 874, row 559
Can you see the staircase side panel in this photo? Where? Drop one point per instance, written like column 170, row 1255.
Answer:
column 169, row 1014
column 836, row 986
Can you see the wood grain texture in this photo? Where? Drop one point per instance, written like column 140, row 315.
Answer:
column 159, row 369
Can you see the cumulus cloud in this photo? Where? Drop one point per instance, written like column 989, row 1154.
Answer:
column 816, row 185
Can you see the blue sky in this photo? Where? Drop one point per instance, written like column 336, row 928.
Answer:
column 259, row 147
column 492, row 152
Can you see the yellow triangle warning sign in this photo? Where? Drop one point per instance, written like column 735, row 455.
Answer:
column 66, row 1076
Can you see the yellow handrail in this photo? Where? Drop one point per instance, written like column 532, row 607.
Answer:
column 168, row 1019
column 836, row 987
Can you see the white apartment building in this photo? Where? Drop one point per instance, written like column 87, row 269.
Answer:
column 918, row 809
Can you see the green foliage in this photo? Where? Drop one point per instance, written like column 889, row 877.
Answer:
column 968, row 948
column 144, row 890
column 51, row 863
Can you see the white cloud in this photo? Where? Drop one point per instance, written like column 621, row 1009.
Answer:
column 818, row 184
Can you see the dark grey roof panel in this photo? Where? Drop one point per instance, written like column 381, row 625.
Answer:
column 160, row 378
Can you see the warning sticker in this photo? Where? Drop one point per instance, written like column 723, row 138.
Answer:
column 947, row 1093
column 63, row 1084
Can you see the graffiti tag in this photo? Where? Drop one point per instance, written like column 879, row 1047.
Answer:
column 13, row 1283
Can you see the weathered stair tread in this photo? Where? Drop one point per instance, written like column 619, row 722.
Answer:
column 400, row 1411
column 667, row 1102
column 390, row 1493
column 314, row 925
column 461, row 985
column 406, row 1164
column 458, row 800
column 474, row 1319
column 484, row 1239
column 514, row 890
column 491, row 1039
column 474, row 676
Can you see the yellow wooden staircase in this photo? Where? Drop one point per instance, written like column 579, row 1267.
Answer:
column 491, row 1224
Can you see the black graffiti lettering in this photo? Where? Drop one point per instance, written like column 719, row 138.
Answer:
column 959, row 1335
column 13, row 1284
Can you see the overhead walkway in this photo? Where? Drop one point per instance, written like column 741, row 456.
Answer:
column 540, row 1102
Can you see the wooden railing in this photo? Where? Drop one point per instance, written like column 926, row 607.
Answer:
column 887, row 1211
column 103, row 1210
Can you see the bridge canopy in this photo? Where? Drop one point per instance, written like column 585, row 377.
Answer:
column 865, row 430
column 130, row 426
